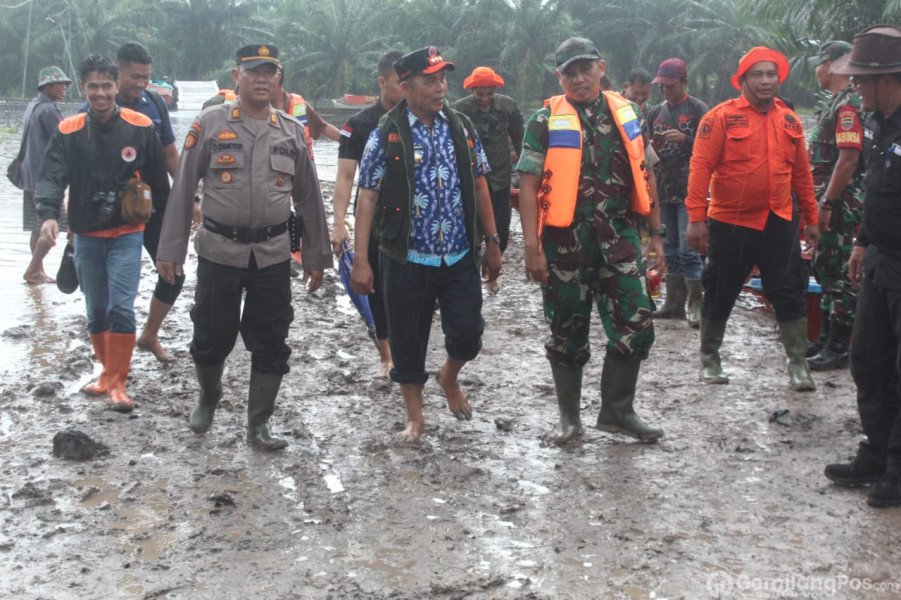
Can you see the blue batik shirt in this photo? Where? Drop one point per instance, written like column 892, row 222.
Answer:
column 437, row 222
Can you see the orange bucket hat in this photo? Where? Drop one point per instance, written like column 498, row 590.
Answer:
column 483, row 77
column 761, row 54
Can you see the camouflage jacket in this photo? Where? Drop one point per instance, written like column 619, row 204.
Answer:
column 838, row 126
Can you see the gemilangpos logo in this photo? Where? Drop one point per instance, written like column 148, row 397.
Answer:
column 721, row 584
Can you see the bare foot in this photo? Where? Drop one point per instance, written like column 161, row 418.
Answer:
column 37, row 278
column 384, row 370
column 156, row 348
column 492, row 287
column 456, row 401
column 413, row 432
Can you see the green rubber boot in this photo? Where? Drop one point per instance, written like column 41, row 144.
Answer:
column 694, row 302
column 260, row 406
column 794, row 338
column 712, row 333
column 568, row 387
column 674, row 302
column 618, row 380
column 210, row 379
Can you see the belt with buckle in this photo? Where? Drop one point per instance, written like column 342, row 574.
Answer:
column 245, row 235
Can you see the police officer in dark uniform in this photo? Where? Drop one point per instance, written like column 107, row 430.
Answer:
column 874, row 65
column 253, row 159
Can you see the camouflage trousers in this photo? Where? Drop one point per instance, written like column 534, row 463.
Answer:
column 830, row 263
column 620, row 292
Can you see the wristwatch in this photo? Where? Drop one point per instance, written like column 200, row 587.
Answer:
column 657, row 230
column 493, row 238
column 826, row 202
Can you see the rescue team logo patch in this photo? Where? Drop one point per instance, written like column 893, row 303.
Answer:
column 226, row 159
column 226, row 135
column 394, row 137
column 706, row 130
column 227, row 177
column 129, row 154
column 190, row 140
column 281, row 180
column 733, row 121
column 791, row 124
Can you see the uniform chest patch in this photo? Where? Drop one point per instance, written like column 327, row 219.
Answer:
column 226, row 177
column 226, row 146
column 226, row 159
column 129, row 154
column 226, row 135
column 283, row 151
column 281, row 180
column 735, row 121
column 394, row 137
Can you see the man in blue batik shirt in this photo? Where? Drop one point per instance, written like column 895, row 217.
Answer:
column 430, row 236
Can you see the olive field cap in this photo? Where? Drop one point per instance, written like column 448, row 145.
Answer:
column 832, row 50
column 574, row 49
column 50, row 75
column 761, row 54
column 876, row 50
column 254, row 55
column 483, row 77
column 671, row 71
column 424, row 61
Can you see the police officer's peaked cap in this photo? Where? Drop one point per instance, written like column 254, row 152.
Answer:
column 252, row 56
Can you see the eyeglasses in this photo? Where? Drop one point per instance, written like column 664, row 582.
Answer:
column 858, row 80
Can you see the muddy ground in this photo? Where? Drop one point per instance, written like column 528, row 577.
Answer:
column 730, row 503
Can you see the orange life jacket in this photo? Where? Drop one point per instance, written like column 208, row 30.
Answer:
column 297, row 108
column 559, row 188
column 229, row 95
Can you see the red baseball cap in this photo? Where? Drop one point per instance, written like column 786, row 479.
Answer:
column 671, row 71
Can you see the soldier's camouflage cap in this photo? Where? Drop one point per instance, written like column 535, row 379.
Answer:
column 50, row 75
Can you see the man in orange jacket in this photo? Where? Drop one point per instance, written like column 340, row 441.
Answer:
column 750, row 155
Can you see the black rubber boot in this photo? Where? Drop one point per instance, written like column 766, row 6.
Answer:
column 887, row 492
column 694, row 302
column 712, row 333
column 210, row 379
column 674, row 302
column 835, row 354
column 865, row 469
column 814, row 347
column 260, row 406
column 568, row 387
column 794, row 338
column 618, row 380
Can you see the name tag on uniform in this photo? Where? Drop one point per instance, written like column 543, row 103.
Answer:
column 895, row 149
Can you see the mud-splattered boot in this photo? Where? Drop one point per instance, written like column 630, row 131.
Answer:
column 694, row 302
column 101, row 386
column 260, row 406
column 712, row 333
column 568, row 387
column 794, row 338
column 119, row 348
column 210, row 380
column 618, row 380
column 674, row 303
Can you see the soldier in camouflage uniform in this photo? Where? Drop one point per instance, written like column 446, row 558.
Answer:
column 835, row 148
column 596, row 258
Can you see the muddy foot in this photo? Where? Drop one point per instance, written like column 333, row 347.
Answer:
column 384, row 371
column 413, row 432
column 456, row 401
column 156, row 348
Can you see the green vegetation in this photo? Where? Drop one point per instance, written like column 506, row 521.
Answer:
column 331, row 46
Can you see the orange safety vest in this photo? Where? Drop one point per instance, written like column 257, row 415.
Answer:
column 297, row 108
column 559, row 188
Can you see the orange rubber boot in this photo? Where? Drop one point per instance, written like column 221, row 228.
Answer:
column 101, row 386
column 119, row 349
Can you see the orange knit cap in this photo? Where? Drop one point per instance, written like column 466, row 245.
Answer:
column 761, row 54
column 483, row 77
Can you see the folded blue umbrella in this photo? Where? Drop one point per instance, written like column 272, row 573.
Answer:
column 345, row 265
